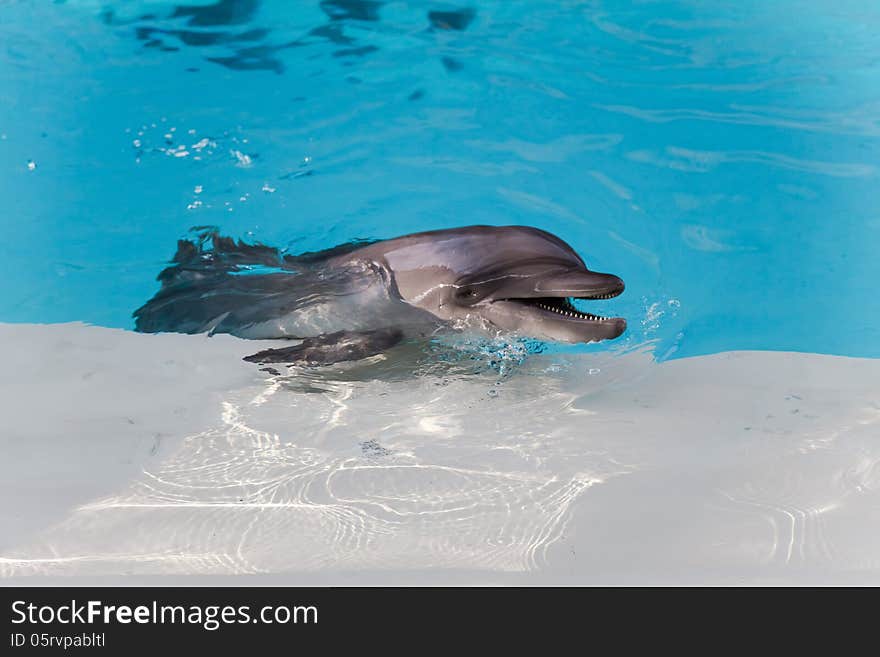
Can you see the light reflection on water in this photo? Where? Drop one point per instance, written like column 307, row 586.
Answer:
column 438, row 470
column 562, row 468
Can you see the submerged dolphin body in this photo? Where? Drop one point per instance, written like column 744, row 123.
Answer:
column 359, row 299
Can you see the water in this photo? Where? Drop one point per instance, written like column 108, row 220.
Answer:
column 744, row 467
column 723, row 160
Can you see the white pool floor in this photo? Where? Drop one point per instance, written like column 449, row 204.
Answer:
column 166, row 459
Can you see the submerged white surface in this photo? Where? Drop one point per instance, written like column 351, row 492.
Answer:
column 145, row 458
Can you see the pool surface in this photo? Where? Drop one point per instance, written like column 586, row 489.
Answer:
column 723, row 159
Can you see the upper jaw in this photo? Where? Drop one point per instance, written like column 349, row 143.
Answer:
column 556, row 289
column 579, row 284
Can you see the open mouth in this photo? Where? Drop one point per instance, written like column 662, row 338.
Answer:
column 563, row 306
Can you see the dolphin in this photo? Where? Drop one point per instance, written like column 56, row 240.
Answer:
column 361, row 298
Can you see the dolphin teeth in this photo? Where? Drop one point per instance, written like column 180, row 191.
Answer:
column 565, row 309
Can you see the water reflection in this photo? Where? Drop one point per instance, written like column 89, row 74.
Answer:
column 207, row 26
column 421, row 473
column 456, row 19
column 222, row 12
column 225, row 24
column 579, row 468
column 359, row 10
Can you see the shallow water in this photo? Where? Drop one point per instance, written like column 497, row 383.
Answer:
column 722, row 160
column 739, row 467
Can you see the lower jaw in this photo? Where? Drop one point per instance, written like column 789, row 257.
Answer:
column 583, row 331
column 576, row 333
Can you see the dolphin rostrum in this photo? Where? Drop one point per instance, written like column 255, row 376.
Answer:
column 359, row 299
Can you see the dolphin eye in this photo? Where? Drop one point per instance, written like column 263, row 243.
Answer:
column 467, row 294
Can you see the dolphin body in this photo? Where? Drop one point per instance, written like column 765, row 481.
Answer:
column 361, row 298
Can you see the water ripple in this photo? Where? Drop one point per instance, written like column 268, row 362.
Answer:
column 858, row 121
column 696, row 161
column 428, row 496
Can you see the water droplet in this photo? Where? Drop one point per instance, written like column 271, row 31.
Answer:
column 243, row 159
column 31, row 165
column 197, row 189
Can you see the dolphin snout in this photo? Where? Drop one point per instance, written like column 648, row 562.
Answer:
column 580, row 283
column 615, row 282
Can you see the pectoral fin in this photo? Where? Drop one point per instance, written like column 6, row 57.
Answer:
column 331, row 348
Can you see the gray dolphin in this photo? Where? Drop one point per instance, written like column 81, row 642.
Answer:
column 359, row 299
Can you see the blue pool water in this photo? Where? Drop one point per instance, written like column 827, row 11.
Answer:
column 722, row 158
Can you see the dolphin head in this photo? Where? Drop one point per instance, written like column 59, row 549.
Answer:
column 514, row 278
